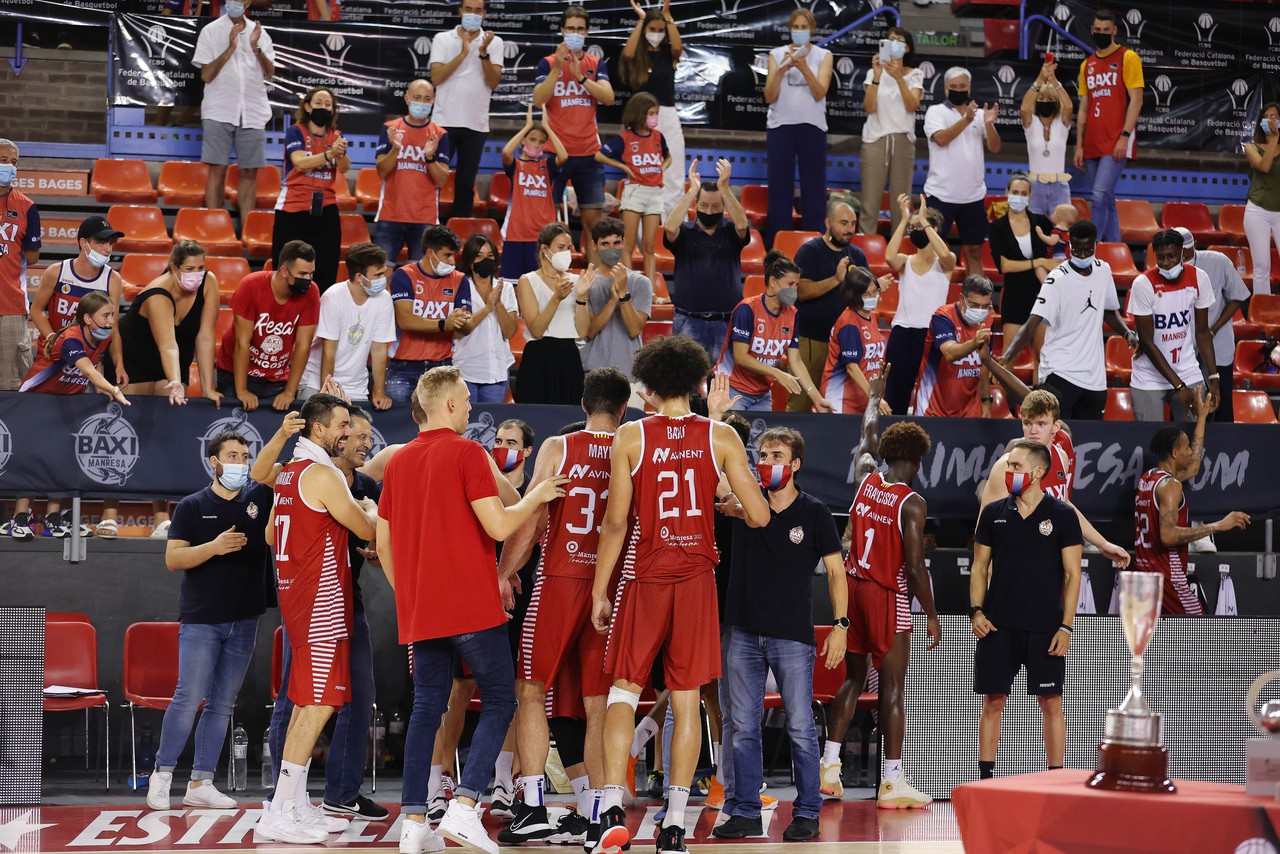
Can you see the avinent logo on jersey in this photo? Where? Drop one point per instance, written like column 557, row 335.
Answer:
column 106, row 447
column 236, row 422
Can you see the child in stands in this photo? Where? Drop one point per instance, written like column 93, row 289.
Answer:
column 531, row 174
column 641, row 153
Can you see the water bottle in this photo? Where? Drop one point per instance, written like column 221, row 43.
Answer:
column 268, row 781
column 378, row 735
column 239, row 759
column 146, row 757
column 395, row 737
column 1240, row 265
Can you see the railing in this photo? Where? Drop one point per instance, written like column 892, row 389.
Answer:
column 883, row 10
column 1024, row 32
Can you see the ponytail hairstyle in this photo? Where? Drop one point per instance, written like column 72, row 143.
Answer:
column 854, row 286
column 89, row 305
column 777, row 265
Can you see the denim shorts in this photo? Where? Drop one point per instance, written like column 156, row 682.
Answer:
column 587, row 177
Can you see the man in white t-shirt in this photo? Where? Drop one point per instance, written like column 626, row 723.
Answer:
column 1074, row 301
column 1170, row 305
column 1229, row 294
column 466, row 66
column 357, row 322
column 956, row 185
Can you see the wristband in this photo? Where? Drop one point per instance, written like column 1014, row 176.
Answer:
column 1214, row 377
column 582, row 81
column 1125, row 133
column 627, row 298
column 874, row 83
column 1179, row 387
column 484, row 56
column 440, row 323
column 974, row 610
column 580, row 301
column 1065, row 628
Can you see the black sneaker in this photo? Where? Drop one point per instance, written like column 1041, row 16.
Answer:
column 529, row 825
column 801, row 829
column 739, row 827
column 671, row 841
column 655, row 782
column 358, row 806
column 614, row 835
column 593, row 836
column 572, row 829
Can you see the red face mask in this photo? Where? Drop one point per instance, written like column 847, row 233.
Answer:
column 1016, row 482
column 506, row 458
column 773, row 477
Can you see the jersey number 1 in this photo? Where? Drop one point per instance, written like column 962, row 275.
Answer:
column 865, row 560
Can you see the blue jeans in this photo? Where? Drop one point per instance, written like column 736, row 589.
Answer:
column 390, row 236
column 801, row 146
column 344, row 770
column 402, row 377
column 748, row 662
column 1046, row 197
column 212, row 661
column 488, row 654
column 711, row 334
column 1103, row 173
column 762, row 402
column 487, row 392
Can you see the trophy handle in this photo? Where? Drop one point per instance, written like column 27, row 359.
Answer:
column 1255, row 691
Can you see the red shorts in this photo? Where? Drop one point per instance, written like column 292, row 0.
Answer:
column 680, row 619
column 1178, row 599
column 320, row 674
column 558, row 639
column 564, row 697
column 876, row 616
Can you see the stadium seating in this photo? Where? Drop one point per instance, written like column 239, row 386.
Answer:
column 1231, row 222
column 258, row 226
column 753, row 255
column 873, row 245
column 124, row 181
column 1264, row 309
column 182, row 183
column 268, row 186
column 342, row 189
column 1119, row 405
column 211, row 228
column 1251, row 406
column 1137, row 220
column 661, row 310
column 143, row 227
column 354, row 230
column 1119, row 361
column 1195, row 217
column 139, row 269
column 755, row 201
column 229, row 272
column 499, row 194
column 517, row 342
column 368, row 189
column 1081, row 206
column 464, row 227
column 752, row 286
column 1001, row 35
column 1121, row 261
column 1250, row 368
column 787, row 242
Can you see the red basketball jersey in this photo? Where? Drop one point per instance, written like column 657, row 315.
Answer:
column 1104, row 82
column 768, row 337
column 68, row 290
column 674, row 499
column 572, row 537
column 298, row 186
column 1151, row 553
column 531, row 206
column 950, row 389
column 875, row 552
column 855, row 340
column 1062, row 465
column 313, row 574
column 432, row 298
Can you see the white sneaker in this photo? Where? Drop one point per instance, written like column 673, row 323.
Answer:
column 1204, row 545
column 161, row 531
column 899, row 794
column 462, row 825
column 832, row 786
column 207, row 795
column 158, row 789
column 313, row 816
column 418, row 837
column 287, row 826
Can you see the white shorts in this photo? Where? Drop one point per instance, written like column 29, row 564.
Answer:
column 642, row 200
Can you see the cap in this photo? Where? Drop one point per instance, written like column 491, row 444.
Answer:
column 1188, row 239
column 97, row 228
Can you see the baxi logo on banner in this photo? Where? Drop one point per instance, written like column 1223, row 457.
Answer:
column 106, row 447
column 236, row 422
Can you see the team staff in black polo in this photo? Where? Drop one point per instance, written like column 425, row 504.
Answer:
column 1023, row 590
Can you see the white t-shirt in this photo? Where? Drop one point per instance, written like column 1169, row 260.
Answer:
column 891, row 114
column 1172, row 308
column 238, row 95
column 1055, row 160
column 920, row 296
column 484, row 356
column 957, row 171
column 463, row 99
column 795, row 104
column 1072, row 307
column 356, row 328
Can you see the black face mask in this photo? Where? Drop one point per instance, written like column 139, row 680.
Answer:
column 300, row 286
column 1045, row 109
column 1103, row 40
column 959, row 99
column 919, row 237
column 483, row 268
column 709, row 220
column 320, row 117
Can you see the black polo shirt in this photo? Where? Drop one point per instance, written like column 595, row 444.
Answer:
column 1025, row 591
column 363, row 487
column 771, row 581
column 708, row 271
column 233, row 586
column 815, row 318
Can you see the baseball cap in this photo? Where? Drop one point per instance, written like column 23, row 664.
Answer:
column 97, row 228
column 1188, row 239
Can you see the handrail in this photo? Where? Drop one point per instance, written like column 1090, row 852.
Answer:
column 1024, row 32
column 883, row 10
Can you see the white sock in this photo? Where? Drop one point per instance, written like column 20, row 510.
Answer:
column 582, row 793
column 597, row 797
column 677, row 800
column 534, row 784
column 645, row 730
column 286, row 788
column 502, row 769
column 300, row 794
column 612, row 797
column 831, row 752
column 433, row 782
column 892, row 769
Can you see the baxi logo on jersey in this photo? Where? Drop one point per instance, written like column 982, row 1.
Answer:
column 236, row 422
column 6, row 446
column 482, row 430
column 106, row 447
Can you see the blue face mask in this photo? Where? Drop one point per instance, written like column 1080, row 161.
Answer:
column 471, row 22
column 575, row 41
column 800, row 38
column 897, row 49
column 419, row 110
column 1082, row 263
column 1019, row 203
column 100, row 333
column 8, row 174
column 1266, row 126
column 234, row 475
column 234, row 8
column 376, row 286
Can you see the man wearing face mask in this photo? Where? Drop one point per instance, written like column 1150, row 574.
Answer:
column 952, row 382
column 1170, row 306
column 357, row 325
column 19, row 249
column 217, row 541
column 413, row 163
column 610, row 312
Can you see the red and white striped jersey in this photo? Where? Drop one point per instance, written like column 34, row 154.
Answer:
column 876, row 552
column 572, row 536
column 313, row 572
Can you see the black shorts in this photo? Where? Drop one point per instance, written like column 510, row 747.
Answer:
column 970, row 219
column 1003, row 652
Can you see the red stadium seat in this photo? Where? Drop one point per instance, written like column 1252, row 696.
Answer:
column 1001, row 35
column 1121, row 261
column 755, row 201
column 999, row 406
column 258, row 226
column 1137, row 220
column 1119, row 405
column 787, row 242
column 71, row 660
column 1193, row 216
column 753, row 255
column 1231, row 222
column 664, row 261
column 126, row 181
column 661, row 310
column 990, row 268
column 268, row 189
column 517, row 342
column 1081, row 206
column 150, row 670
column 211, row 228
column 229, row 272
column 1265, row 309
column 752, row 286
column 1119, row 361
column 143, row 227
column 182, row 183
column 464, row 227
column 873, row 245
column 368, row 188
column 140, row 269
column 655, row 329
column 354, row 230
column 499, row 194
column 1252, row 406
column 346, row 202
column 1250, row 368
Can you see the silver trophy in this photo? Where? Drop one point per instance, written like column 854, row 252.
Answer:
column 1263, row 754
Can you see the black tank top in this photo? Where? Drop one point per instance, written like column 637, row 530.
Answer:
column 141, row 355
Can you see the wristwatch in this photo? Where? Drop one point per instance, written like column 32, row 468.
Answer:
column 626, row 298
column 484, row 56
column 842, row 623
column 973, row 611
column 440, row 323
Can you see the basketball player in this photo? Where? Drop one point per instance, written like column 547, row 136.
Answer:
column 665, row 470
column 557, row 634
column 1160, row 513
column 887, row 549
column 312, row 513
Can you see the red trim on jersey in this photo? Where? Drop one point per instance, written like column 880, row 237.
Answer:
column 876, row 552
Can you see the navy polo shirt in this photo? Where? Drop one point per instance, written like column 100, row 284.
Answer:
column 708, row 271
column 815, row 318
column 771, row 580
column 363, row 487
column 233, row 586
column 1025, row 591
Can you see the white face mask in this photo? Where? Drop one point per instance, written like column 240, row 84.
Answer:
column 870, row 303
column 654, row 39
column 976, row 315
column 561, row 260
column 97, row 259
column 1173, row 272
column 441, row 268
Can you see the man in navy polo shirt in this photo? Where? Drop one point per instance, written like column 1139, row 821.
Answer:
column 217, row 541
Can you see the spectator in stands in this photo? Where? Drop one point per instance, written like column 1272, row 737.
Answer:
column 707, row 281
column 483, row 353
column 264, row 353
column 956, row 185
column 856, row 351
column 1074, row 301
column 532, row 175
column 925, row 278
column 1170, row 305
column 466, row 66
column 569, row 85
column 651, row 67
column 357, row 325
column 1262, row 210
column 19, row 249
column 640, row 151
column 551, row 368
column 235, row 68
column 430, row 310
column 1019, row 253
column 823, row 262
column 952, row 381
column 796, row 92
column 1046, row 122
column 889, row 134
column 1110, row 103
column 218, row 544
column 1229, row 294
column 610, row 311
column 315, row 157
column 413, row 163
column 762, row 338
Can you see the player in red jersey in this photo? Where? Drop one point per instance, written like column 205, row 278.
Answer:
column 886, row 552
column 1161, row 533
column 662, row 487
column 311, row 514
column 558, row 639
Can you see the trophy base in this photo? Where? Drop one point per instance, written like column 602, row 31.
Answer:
column 1132, row 768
